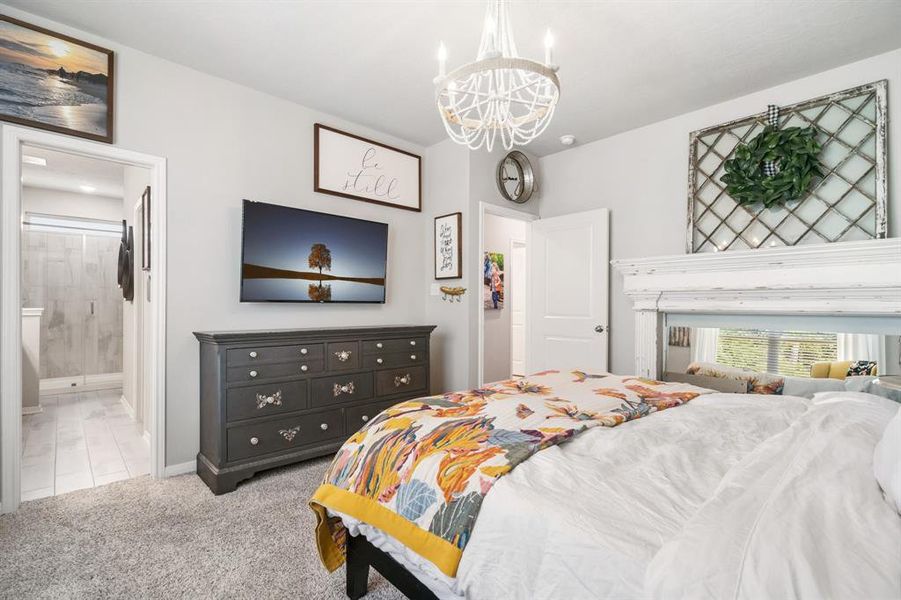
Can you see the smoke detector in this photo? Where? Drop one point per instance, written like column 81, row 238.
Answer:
column 568, row 139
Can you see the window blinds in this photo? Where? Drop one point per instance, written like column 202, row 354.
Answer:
column 780, row 352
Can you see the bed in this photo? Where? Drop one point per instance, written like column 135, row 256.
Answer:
column 724, row 495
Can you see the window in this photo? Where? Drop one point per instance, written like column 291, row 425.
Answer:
column 780, row 352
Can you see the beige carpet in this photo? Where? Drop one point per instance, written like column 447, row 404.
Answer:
column 172, row 538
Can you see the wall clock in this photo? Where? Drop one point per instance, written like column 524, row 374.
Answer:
column 515, row 179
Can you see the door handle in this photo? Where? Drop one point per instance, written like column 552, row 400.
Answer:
column 599, row 328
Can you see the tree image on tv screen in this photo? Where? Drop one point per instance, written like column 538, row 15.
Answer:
column 320, row 258
column 319, row 292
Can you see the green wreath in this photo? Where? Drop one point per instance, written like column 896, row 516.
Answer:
column 794, row 151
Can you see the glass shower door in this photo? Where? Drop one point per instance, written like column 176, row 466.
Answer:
column 103, row 307
column 69, row 269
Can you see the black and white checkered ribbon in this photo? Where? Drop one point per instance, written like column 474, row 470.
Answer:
column 772, row 120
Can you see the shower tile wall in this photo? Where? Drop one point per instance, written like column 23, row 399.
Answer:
column 63, row 273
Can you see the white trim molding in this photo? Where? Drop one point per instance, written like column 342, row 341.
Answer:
column 841, row 279
column 12, row 138
column 181, row 469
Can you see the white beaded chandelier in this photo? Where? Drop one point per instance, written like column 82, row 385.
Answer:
column 499, row 93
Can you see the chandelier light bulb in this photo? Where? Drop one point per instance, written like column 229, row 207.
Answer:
column 548, row 47
column 442, row 59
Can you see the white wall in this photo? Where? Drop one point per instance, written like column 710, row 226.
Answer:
column 69, row 204
column 498, row 233
column 458, row 180
column 224, row 142
column 641, row 176
column 447, row 186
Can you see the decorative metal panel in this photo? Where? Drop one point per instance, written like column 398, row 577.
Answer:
column 849, row 203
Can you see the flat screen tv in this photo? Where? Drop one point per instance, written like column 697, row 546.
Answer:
column 294, row 255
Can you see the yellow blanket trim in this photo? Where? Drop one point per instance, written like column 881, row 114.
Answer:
column 436, row 550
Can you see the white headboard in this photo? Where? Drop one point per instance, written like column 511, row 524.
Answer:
column 861, row 279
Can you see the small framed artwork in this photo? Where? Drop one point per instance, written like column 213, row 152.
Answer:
column 145, row 229
column 449, row 246
column 354, row 167
column 55, row 82
column 493, row 280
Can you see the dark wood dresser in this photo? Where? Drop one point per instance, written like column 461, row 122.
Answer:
column 271, row 398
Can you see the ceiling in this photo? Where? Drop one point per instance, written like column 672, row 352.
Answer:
column 68, row 172
column 623, row 64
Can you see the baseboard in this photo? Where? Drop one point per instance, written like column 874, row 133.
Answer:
column 188, row 467
column 32, row 410
column 103, row 381
column 128, row 408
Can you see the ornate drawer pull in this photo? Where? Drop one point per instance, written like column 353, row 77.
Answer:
column 303, row 350
column 253, row 373
column 289, row 434
column 412, row 357
column 254, row 441
column 253, row 354
column 324, row 426
column 412, row 342
column 304, row 368
column 263, row 400
column 405, row 380
column 379, row 345
column 343, row 355
column 379, row 360
column 365, row 418
column 347, row 388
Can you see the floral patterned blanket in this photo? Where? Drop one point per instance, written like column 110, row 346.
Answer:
column 420, row 469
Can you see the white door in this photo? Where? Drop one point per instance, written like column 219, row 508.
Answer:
column 517, row 298
column 568, row 279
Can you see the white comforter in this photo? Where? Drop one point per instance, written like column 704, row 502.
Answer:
column 690, row 502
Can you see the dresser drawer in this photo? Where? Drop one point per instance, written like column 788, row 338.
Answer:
column 272, row 371
column 342, row 356
column 398, row 345
column 249, row 356
column 265, row 400
column 399, row 381
column 341, row 389
column 357, row 416
column 256, row 439
column 393, row 359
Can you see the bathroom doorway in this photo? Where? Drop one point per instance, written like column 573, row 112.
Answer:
column 105, row 399
column 82, row 424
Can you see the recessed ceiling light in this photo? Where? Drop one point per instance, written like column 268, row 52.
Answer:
column 34, row 160
column 568, row 139
column 87, row 189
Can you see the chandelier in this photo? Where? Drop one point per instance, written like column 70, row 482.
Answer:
column 500, row 93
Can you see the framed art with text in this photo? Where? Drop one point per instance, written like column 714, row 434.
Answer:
column 449, row 246
column 55, row 82
column 354, row 167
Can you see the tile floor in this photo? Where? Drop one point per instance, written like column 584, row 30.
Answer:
column 80, row 440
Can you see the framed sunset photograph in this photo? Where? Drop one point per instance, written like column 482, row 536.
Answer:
column 55, row 82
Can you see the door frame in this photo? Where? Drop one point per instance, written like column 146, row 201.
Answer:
column 520, row 243
column 154, row 367
column 486, row 208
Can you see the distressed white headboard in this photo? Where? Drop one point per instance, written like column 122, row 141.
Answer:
column 861, row 279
